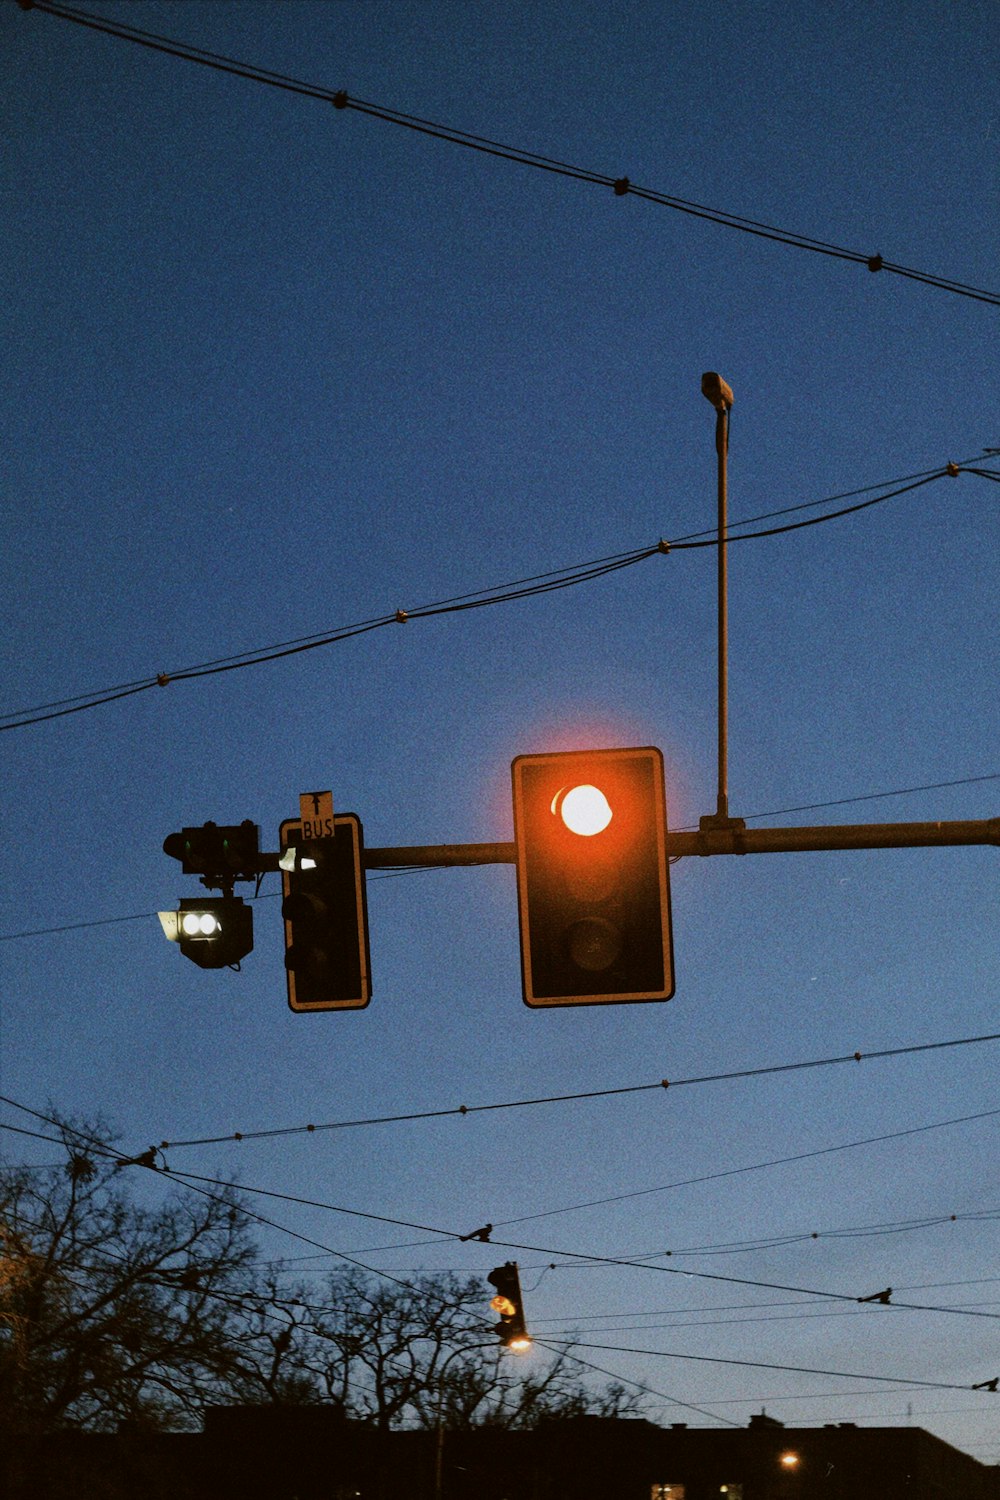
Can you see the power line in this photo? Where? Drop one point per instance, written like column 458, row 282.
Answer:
column 642, row 1262
column 782, row 1241
column 778, row 1161
column 527, row 588
column 193, row 1179
column 199, row 1182
column 462, row 1110
column 621, row 185
column 833, row 515
column 866, row 489
column 192, row 1182
column 147, row 1160
column 757, row 1364
column 257, row 1303
column 664, row 1084
column 524, row 588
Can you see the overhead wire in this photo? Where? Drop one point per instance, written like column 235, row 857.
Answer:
column 194, row 1179
column 524, row 588
column 371, row 1270
column 778, row 1161
column 262, row 1305
column 758, row 1364
column 201, row 1182
column 195, row 1185
column 502, row 594
column 620, row 184
column 619, row 1091
column 788, row 510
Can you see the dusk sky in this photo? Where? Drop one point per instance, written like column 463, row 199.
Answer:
column 274, row 369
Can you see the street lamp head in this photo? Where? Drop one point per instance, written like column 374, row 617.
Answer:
column 715, row 389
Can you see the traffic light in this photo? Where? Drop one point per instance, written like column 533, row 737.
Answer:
column 214, row 934
column 223, row 853
column 593, row 889
column 507, row 1303
column 326, row 917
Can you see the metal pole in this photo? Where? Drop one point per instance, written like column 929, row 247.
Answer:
column 735, row 838
column 439, row 1436
column 715, row 390
column 722, row 449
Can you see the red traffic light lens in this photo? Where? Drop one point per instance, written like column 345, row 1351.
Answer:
column 584, row 809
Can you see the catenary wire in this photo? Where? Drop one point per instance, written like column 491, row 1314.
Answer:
column 295, row 1234
column 530, row 587
column 778, row 1161
column 586, row 1094
column 371, row 1270
column 257, row 1303
column 621, row 185
column 757, row 1364
column 202, row 1183
column 762, row 1243
column 199, row 1182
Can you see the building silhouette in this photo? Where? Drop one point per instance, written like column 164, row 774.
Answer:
column 314, row 1453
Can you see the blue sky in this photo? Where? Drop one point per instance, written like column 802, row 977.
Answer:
column 274, row 368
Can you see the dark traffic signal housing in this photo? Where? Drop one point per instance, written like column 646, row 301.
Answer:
column 326, row 917
column 222, row 853
column 593, row 889
column 508, row 1305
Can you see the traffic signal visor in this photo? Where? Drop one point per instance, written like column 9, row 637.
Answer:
column 593, row 888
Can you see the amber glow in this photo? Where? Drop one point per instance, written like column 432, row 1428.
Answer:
column 520, row 1345
column 584, row 809
column 789, row 1460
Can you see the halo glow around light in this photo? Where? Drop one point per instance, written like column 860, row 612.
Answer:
column 584, row 809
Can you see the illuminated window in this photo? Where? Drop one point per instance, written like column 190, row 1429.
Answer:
column 668, row 1492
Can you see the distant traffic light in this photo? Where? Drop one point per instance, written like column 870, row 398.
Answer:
column 224, row 852
column 507, row 1303
column 593, row 888
column 326, row 918
column 214, row 934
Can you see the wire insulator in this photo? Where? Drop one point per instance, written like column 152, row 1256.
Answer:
column 401, row 617
column 162, row 679
column 622, row 185
column 340, row 99
column 875, row 262
column 953, row 470
column 663, row 545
